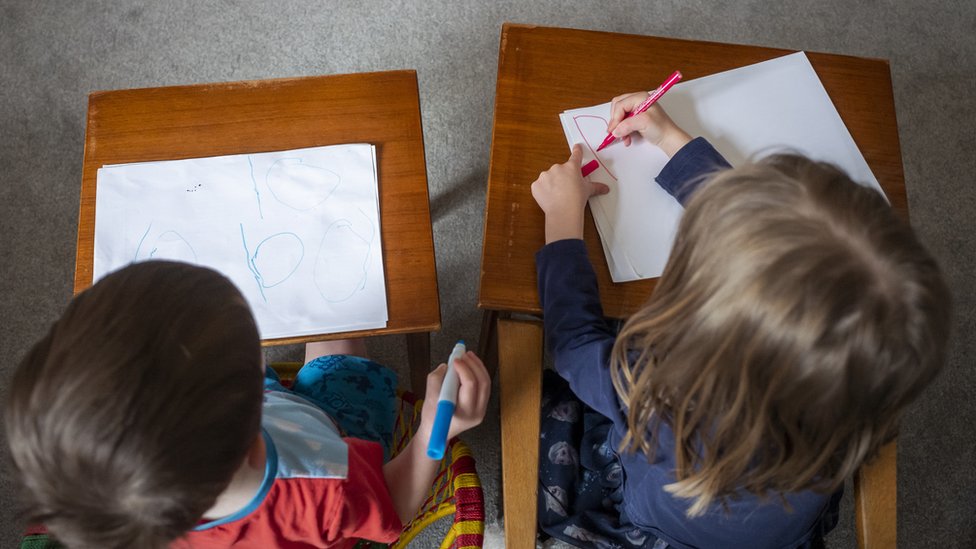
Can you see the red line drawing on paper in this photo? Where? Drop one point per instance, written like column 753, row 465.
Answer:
column 596, row 155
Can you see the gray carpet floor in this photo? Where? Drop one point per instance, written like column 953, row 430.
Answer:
column 53, row 53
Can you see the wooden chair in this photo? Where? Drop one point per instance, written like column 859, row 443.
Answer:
column 520, row 346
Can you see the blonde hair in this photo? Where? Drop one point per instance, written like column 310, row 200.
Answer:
column 795, row 320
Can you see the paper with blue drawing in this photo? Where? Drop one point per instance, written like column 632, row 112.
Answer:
column 747, row 113
column 297, row 231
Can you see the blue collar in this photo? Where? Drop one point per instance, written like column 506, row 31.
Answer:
column 270, row 469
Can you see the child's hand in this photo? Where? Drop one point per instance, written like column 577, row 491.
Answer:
column 410, row 473
column 654, row 124
column 473, row 392
column 562, row 193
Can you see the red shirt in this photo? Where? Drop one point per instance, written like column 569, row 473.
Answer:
column 301, row 504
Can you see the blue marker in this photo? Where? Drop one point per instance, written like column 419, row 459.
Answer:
column 445, row 406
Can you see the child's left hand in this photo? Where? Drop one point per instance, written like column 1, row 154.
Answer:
column 473, row 392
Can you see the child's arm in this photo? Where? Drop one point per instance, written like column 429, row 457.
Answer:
column 576, row 331
column 691, row 160
column 410, row 474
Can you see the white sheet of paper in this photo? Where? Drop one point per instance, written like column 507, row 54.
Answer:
column 297, row 231
column 778, row 105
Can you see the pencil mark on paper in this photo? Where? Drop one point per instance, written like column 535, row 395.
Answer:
column 341, row 267
column 254, row 182
column 169, row 245
column 275, row 259
column 591, row 123
column 300, row 186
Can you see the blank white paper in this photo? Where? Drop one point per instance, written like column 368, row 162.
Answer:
column 297, row 231
column 778, row 105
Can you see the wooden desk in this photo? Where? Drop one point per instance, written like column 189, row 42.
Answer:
column 544, row 71
column 268, row 115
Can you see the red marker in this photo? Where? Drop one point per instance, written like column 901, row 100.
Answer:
column 646, row 104
column 589, row 167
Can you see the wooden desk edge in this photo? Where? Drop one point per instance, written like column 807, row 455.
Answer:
column 509, row 26
column 349, row 335
column 79, row 276
column 234, row 84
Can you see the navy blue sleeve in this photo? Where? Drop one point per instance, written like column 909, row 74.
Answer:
column 689, row 167
column 577, row 333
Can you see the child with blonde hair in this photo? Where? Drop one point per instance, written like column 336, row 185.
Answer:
column 796, row 319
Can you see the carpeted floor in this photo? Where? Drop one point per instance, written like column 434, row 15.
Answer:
column 53, row 53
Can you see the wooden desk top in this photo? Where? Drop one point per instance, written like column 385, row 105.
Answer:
column 544, row 71
column 269, row 115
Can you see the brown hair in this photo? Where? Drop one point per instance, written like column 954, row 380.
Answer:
column 132, row 414
column 795, row 320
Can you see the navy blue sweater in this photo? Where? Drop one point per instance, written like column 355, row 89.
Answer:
column 581, row 341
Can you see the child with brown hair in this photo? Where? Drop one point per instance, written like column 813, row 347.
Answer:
column 146, row 418
column 796, row 319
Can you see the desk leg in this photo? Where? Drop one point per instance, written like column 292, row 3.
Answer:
column 520, row 382
column 487, row 341
column 418, row 357
column 876, row 500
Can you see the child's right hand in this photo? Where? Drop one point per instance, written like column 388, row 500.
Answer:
column 562, row 192
column 654, row 124
column 474, row 389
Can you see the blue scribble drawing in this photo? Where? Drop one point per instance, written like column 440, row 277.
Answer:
column 255, row 183
column 168, row 245
column 141, row 240
column 341, row 266
column 275, row 259
column 300, row 186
